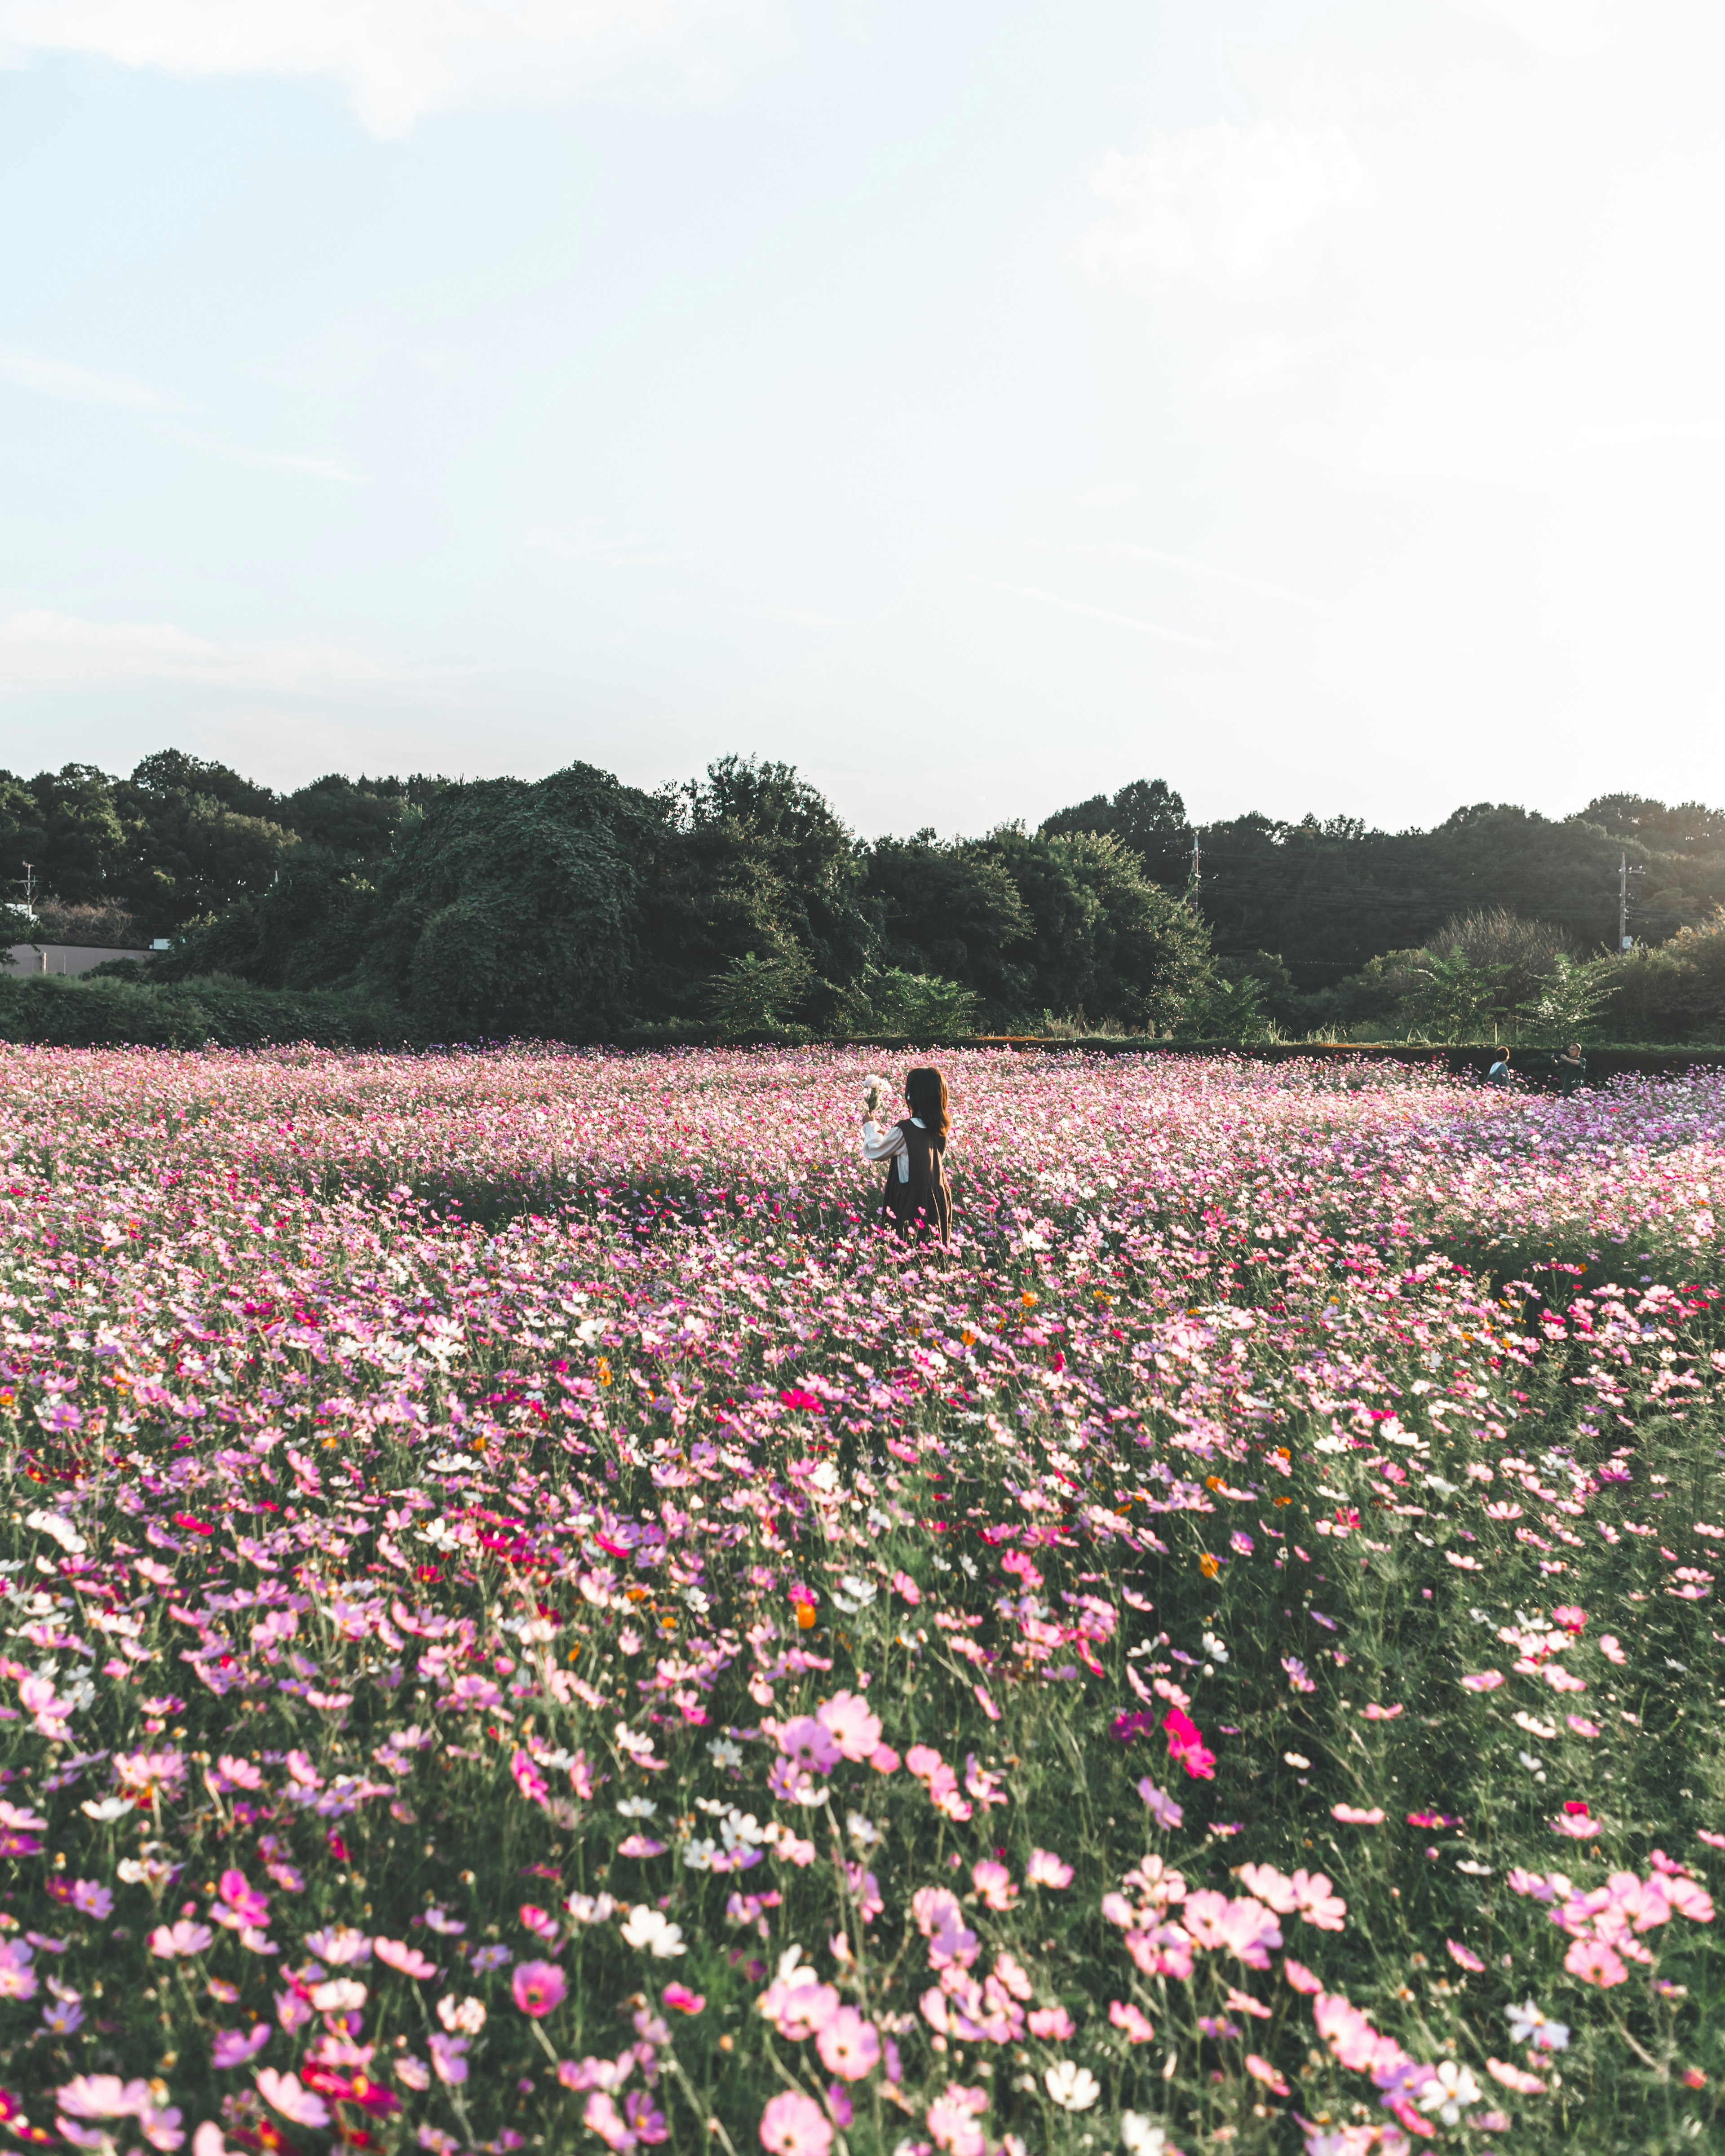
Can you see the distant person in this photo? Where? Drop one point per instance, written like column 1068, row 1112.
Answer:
column 1498, row 1075
column 917, row 1199
column 1570, row 1068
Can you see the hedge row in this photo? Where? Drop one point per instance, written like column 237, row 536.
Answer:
column 52, row 1011
column 94, row 1012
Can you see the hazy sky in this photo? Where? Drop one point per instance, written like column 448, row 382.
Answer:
column 977, row 402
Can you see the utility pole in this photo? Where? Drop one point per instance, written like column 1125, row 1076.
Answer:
column 1197, row 877
column 1625, row 942
column 26, row 882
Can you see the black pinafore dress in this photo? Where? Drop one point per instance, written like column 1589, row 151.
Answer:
column 919, row 1200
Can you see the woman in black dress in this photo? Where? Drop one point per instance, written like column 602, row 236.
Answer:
column 917, row 1199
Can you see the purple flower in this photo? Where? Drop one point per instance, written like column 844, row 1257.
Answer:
column 235, row 2048
column 1297, row 1679
column 91, row 1899
column 1166, row 1812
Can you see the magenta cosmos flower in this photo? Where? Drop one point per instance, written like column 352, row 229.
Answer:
column 538, row 1987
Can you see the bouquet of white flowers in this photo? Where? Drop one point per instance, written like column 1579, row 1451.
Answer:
column 875, row 1090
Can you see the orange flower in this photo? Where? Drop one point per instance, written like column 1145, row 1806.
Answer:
column 805, row 1615
column 1208, row 1566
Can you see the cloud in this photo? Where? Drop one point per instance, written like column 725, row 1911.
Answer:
column 397, row 60
column 1098, row 613
column 44, row 650
column 1222, row 198
column 1565, row 29
column 74, row 385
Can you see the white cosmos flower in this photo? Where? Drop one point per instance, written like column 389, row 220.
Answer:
column 652, row 1933
column 1142, row 2136
column 1453, row 2087
column 1073, row 2087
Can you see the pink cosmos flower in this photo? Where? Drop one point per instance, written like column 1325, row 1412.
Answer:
column 794, row 2125
column 994, row 1883
column 1045, row 1869
column 282, row 2092
column 18, row 1979
column 1485, row 1681
column 850, row 2046
column 1316, row 1903
column 852, row 1727
column 1261, row 2069
column 397, row 1954
column 1596, row 1963
column 797, row 2005
column 1053, row 2023
column 1270, row 1886
column 1514, row 2077
column 1348, row 2032
column 904, row 1586
column 1299, row 1975
column 528, row 1779
column 1463, row 1958
column 953, row 2119
column 167, row 1940
column 103, row 2096
column 601, row 2117
column 538, row 1987
column 809, row 1744
column 1125, row 2016
column 249, row 1904
column 1357, row 1816
column 680, row 1996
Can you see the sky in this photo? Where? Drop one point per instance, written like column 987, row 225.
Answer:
column 1313, row 403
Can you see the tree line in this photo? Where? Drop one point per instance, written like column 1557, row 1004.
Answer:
column 577, row 907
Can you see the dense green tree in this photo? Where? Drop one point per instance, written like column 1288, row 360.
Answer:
column 355, row 819
column 1106, row 943
column 312, row 928
column 65, row 823
column 511, row 908
column 952, row 909
column 752, row 860
column 1146, row 815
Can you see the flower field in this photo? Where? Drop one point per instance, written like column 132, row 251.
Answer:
column 530, row 1624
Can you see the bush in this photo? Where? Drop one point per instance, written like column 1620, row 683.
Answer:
column 88, row 1011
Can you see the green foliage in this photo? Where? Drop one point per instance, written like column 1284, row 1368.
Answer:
column 924, row 1006
column 750, row 859
column 1565, row 1002
column 1330, row 895
column 1105, row 938
column 952, row 908
column 512, row 909
column 755, row 995
column 1678, row 990
column 1452, row 999
column 1225, row 1010
column 110, row 1009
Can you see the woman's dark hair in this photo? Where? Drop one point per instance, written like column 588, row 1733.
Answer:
column 927, row 1092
